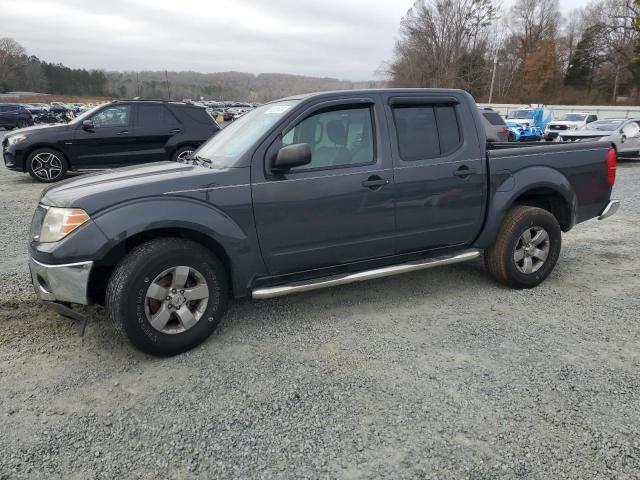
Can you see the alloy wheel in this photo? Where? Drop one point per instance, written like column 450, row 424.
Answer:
column 532, row 250
column 46, row 165
column 176, row 299
column 185, row 155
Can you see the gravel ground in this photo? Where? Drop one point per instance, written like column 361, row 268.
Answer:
column 435, row 374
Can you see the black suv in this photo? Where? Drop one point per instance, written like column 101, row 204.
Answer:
column 14, row 116
column 120, row 133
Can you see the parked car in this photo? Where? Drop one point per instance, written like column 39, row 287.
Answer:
column 621, row 132
column 494, row 125
column 13, row 115
column 309, row 192
column 569, row 121
column 35, row 108
column 528, row 124
column 112, row 135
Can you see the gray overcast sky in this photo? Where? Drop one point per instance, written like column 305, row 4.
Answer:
column 347, row 39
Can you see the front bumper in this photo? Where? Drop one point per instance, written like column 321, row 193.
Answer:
column 61, row 283
column 12, row 159
column 611, row 208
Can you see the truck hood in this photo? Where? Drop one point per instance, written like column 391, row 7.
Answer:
column 99, row 191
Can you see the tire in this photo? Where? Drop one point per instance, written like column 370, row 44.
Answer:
column 47, row 165
column 21, row 123
column 142, row 275
column 182, row 153
column 513, row 261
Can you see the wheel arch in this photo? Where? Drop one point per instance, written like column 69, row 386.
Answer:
column 27, row 153
column 103, row 268
column 541, row 187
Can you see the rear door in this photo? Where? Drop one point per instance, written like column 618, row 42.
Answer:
column 5, row 120
column 439, row 171
column 110, row 143
column 154, row 126
column 339, row 208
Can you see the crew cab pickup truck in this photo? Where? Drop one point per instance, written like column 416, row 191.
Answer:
column 309, row 192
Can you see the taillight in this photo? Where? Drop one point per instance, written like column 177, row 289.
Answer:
column 612, row 157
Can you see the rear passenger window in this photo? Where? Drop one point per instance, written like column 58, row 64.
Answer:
column 150, row 115
column 426, row 131
column 493, row 118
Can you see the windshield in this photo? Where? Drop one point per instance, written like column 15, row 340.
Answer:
column 229, row 145
column 573, row 117
column 605, row 125
column 520, row 114
column 83, row 116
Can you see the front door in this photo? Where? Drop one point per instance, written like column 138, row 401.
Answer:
column 109, row 143
column 630, row 142
column 439, row 171
column 335, row 210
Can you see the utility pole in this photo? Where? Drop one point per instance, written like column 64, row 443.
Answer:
column 166, row 76
column 493, row 75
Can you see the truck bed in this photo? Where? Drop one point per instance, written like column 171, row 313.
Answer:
column 579, row 168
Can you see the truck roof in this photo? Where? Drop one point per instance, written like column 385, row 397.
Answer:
column 365, row 91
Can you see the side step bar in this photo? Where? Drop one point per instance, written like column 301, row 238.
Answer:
column 326, row 282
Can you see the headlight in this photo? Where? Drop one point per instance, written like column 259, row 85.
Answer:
column 60, row 222
column 16, row 139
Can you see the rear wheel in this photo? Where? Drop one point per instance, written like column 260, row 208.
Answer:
column 183, row 154
column 47, row 165
column 526, row 249
column 167, row 295
column 21, row 123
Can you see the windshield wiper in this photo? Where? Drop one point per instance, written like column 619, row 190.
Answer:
column 201, row 160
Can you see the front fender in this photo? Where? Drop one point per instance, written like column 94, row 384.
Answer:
column 507, row 187
column 235, row 235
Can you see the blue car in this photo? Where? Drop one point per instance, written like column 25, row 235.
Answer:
column 528, row 124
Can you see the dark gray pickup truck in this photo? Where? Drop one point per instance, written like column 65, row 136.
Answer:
column 309, row 192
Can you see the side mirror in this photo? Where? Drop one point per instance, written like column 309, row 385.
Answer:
column 292, row 156
column 88, row 125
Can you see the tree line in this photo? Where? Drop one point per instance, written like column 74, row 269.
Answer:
column 22, row 72
column 530, row 53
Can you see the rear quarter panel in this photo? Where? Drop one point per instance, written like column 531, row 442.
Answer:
column 577, row 172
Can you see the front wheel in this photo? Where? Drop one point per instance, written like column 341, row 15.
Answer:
column 47, row 165
column 526, row 249
column 167, row 295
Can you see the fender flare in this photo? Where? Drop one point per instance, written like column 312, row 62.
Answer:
column 126, row 220
column 517, row 184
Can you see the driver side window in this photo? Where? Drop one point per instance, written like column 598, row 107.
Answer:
column 116, row 116
column 337, row 138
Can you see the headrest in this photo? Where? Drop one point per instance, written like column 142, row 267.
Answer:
column 336, row 132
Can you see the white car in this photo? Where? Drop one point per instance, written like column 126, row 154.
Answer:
column 622, row 132
column 569, row 121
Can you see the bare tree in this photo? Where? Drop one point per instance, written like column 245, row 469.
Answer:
column 12, row 56
column 442, row 43
column 537, row 21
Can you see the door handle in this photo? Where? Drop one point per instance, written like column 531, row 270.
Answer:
column 124, row 132
column 464, row 171
column 175, row 130
column 374, row 182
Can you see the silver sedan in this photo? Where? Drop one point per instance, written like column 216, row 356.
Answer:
column 624, row 133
